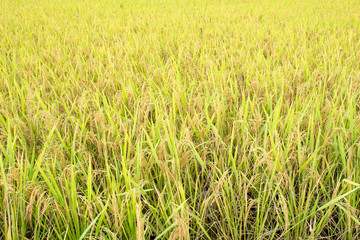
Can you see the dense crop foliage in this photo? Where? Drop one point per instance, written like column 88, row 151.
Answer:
column 210, row 119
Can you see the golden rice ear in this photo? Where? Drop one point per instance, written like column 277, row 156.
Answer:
column 140, row 223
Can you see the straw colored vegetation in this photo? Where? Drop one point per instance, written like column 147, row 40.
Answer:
column 210, row 119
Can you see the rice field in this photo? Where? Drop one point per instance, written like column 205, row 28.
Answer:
column 179, row 119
